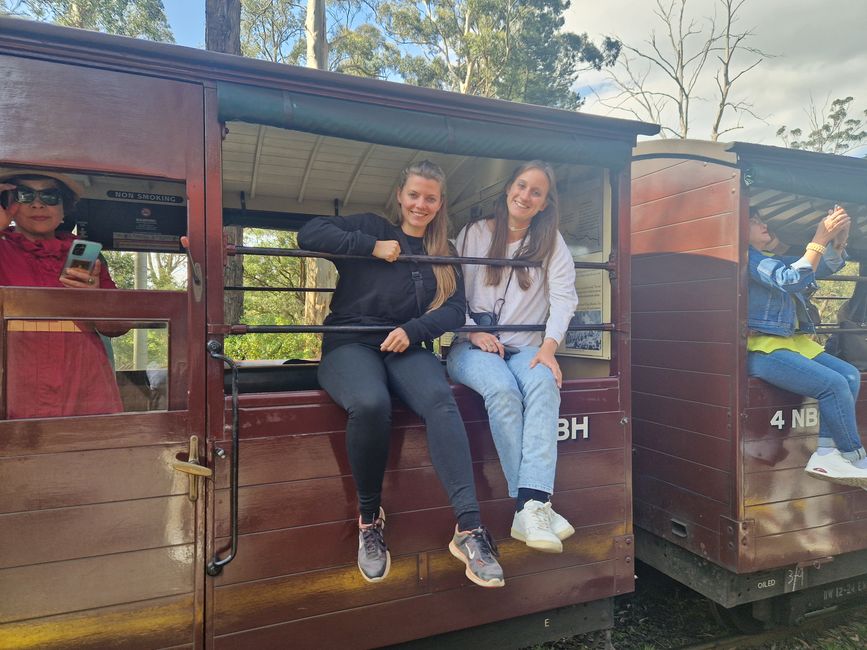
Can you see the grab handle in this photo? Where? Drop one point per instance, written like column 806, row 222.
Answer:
column 215, row 566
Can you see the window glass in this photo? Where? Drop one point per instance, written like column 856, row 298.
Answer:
column 59, row 368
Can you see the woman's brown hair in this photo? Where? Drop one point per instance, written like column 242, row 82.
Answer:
column 541, row 237
column 436, row 241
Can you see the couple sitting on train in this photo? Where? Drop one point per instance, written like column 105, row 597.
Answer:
column 57, row 368
column 516, row 373
column 781, row 352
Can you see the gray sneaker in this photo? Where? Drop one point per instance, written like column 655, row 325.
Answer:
column 374, row 560
column 477, row 550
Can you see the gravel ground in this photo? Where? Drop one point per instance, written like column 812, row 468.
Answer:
column 664, row 614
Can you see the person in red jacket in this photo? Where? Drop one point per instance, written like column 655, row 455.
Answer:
column 54, row 368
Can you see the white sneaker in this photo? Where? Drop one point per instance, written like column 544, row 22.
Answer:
column 533, row 527
column 833, row 467
column 560, row 526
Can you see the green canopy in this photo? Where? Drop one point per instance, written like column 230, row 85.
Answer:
column 412, row 129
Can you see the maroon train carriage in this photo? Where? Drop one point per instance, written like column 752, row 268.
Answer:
column 221, row 514
column 722, row 503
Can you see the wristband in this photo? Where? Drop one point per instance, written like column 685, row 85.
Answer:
column 816, row 248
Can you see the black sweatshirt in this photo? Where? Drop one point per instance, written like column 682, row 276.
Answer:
column 376, row 292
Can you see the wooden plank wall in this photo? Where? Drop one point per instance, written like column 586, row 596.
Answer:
column 295, row 575
column 793, row 517
column 684, row 357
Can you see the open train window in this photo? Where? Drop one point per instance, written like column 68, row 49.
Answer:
column 276, row 179
column 792, row 220
column 68, row 356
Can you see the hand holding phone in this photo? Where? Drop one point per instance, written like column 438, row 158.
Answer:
column 508, row 350
column 80, row 262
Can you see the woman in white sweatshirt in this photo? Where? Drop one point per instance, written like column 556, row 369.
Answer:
column 517, row 373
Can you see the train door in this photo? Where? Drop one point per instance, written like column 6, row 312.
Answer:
column 101, row 527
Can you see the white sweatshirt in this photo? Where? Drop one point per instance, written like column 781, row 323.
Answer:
column 552, row 303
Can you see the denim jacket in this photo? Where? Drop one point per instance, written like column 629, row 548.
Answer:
column 775, row 281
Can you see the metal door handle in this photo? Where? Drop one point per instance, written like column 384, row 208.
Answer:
column 215, row 566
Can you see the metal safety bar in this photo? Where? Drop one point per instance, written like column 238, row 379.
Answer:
column 845, row 278
column 842, row 330
column 297, row 289
column 368, row 329
column 231, row 249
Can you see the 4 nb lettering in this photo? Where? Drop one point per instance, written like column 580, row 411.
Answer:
column 806, row 417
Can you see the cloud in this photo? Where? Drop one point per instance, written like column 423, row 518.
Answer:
column 818, row 50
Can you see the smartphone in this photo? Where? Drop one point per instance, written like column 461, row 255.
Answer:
column 508, row 350
column 82, row 255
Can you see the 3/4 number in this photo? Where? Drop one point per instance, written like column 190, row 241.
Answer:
column 807, row 416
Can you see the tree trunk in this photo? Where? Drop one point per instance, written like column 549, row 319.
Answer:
column 318, row 273
column 223, row 26
column 317, row 41
column 223, row 34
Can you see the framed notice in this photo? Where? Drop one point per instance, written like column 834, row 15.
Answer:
column 585, row 223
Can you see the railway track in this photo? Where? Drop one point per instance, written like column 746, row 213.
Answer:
column 765, row 638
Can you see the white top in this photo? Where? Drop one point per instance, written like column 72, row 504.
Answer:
column 552, row 302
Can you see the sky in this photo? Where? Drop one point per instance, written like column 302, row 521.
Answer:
column 817, row 46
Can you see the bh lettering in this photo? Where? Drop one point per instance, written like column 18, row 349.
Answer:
column 568, row 429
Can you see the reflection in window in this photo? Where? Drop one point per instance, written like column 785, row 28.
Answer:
column 162, row 271
column 57, row 368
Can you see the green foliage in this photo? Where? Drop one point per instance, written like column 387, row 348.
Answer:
column 835, row 132
column 495, row 48
column 273, row 308
column 274, row 30
column 165, row 271
column 137, row 18
column 270, row 29
column 510, row 49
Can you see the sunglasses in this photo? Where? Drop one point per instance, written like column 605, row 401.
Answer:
column 51, row 196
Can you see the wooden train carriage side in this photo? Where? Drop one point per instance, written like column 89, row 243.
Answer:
column 296, row 490
column 719, row 456
column 102, row 541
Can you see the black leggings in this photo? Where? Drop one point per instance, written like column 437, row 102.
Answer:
column 358, row 377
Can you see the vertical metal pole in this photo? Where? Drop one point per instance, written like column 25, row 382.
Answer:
column 140, row 338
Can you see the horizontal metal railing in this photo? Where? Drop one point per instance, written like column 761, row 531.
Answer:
column 424, row 259
column 372, row 329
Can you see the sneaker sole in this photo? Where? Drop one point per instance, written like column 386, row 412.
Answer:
column 852, row 481
column 539, row 544
column 492, row 583
column 564, row 534
column 383, row 576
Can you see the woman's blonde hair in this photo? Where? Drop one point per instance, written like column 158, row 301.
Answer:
column 540, row 238
column 436, row 240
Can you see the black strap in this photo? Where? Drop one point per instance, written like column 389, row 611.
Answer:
column 417, row 281
column 415, row 273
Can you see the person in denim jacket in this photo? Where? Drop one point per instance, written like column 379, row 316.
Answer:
column 781, row 351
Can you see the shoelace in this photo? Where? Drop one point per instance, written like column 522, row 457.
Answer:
column 374, row 542
column 486, row 544
column 542, row 517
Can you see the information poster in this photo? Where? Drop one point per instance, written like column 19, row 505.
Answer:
column 585, row 222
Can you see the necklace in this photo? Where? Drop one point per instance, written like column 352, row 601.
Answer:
column 513, row 229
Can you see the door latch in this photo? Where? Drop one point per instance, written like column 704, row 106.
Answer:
column 193, row 468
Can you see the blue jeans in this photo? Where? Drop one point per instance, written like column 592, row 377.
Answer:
column 830, row 380
column 523, row 406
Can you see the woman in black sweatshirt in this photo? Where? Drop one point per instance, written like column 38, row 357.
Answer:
column 360, row 371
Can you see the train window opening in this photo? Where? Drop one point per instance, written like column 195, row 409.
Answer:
column 275, row 180
column 137, row 222
column 65, row 367
column 792, row 221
